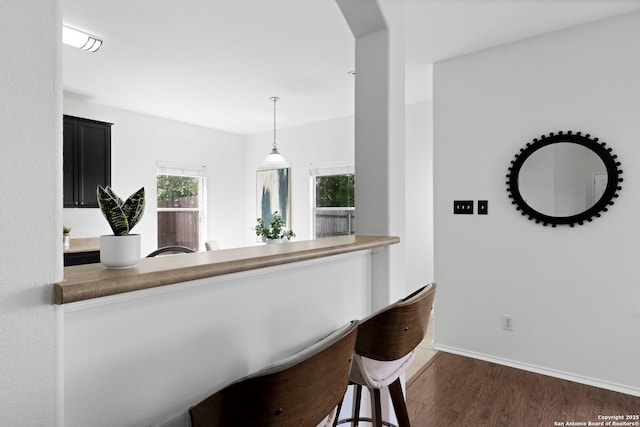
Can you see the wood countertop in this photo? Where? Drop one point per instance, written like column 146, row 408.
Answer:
column 83, row 244
column 83, row 282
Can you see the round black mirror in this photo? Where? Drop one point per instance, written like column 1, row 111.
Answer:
column 564, row 178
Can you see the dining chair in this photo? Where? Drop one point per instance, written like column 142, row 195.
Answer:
column 171, row 248
column 301, row 390
column 384, row 350
column 212, row 245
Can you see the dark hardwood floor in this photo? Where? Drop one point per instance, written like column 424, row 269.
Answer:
column 453, row 390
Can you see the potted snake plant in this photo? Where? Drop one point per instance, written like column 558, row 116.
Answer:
column 122, row 249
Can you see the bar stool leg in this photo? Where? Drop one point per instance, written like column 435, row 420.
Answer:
column 357, row 396
column 376, row 409
column 399, row 404
column 337, row 417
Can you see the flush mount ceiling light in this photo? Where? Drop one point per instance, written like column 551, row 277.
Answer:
column 80, row 39
column 274, row 160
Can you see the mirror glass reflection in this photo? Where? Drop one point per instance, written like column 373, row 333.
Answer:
column 562, row 179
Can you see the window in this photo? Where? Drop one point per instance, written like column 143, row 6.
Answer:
column 334, row 211
column 181, row 205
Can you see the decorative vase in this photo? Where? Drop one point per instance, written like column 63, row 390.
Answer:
column 66, row 240
column 270, row 241
column 119, row 252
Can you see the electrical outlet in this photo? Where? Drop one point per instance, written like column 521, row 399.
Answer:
column 463, row 207
column 507, row 322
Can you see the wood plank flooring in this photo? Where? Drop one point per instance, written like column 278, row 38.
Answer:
column 452, row 390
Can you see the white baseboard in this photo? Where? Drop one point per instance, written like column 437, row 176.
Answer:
column 633, row 391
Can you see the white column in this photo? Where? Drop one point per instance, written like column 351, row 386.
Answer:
column 379, row 137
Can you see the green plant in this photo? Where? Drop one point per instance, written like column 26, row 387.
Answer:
column 66, row 230
column 122, row 216
column 172, row 187
column 275, row 229
column 335, row 191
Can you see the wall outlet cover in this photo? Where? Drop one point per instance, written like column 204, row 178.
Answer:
column 507, row 322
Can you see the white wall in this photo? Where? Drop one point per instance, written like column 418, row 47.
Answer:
column 419, row 195
column 138, row 141
column 573, row 292
column 31, row 253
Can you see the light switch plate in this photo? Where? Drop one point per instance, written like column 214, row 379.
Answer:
column 483, row 207
column 464, row 207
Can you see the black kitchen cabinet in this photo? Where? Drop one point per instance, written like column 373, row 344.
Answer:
column 86, row 160
column 78, row 258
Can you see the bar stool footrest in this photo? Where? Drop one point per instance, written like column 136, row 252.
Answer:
column 366, row 420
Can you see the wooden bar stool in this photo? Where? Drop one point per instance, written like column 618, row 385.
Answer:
column 384, row 349
column 301, row 390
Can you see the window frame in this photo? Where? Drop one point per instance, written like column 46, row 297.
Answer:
column 319, row 171
column 190, row 171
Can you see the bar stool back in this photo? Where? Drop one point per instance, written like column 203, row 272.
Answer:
column 384, row 349
column 301, row 390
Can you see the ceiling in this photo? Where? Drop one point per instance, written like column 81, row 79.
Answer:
column 215, row 63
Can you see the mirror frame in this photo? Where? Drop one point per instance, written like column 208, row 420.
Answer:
column 599, row 148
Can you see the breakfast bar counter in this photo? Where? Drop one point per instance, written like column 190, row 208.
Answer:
column 94, row 280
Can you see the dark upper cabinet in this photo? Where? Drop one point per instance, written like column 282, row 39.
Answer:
column 86, row 160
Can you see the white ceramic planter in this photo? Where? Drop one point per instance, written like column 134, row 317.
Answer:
column 118, row 252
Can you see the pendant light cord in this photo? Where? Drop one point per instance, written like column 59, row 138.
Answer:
column 275, row 145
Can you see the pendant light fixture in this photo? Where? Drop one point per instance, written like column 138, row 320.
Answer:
column 274, row 160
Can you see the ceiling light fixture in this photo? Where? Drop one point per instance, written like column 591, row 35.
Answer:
column 80, row 39
column 274, row 160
